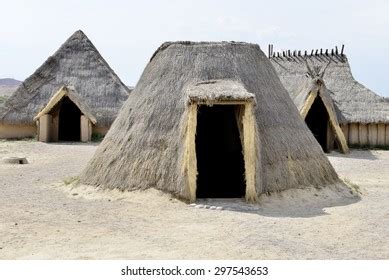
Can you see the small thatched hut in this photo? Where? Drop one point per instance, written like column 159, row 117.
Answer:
column 72, row 95
column 317, row 108
column 362, row 114
column 209, row 120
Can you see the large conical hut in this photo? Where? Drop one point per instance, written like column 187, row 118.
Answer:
column 72, row 95
column 362, row 114
column 209, row 120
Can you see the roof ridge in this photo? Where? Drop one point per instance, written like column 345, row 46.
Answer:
column 167, row 44
column 334, row 52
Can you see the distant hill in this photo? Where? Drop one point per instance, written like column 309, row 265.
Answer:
column 7, row 88
column 9, row 82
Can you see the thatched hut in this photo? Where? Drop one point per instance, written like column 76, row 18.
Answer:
column 317, row 108
column 362, row 114
column 72, row 95
column 209, row 120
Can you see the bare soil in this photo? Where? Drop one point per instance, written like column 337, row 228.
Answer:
column 43, row 215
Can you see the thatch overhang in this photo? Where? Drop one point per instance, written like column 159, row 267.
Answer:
column 217, row 91
column 72, row 95
column 77, row 64
column 354, row 103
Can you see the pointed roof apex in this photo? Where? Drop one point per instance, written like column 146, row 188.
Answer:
column 79, row 34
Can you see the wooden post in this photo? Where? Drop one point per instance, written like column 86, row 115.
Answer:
column 345, row 131
column 387, row 135
column 84, row 121
column 363, row 134
column 45, row 128
column 381, row 134
column 353, row 134
column 372, row 128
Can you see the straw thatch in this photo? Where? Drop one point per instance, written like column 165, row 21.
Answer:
column 151, row 143
column 354, row 102
column 76, row 64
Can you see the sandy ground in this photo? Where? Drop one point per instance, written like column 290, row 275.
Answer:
column 41, row 217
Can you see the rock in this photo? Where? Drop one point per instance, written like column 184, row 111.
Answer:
column 192, row 205
column 219, row 208
column 15, row 160
column 199, row 206
column 212, row 207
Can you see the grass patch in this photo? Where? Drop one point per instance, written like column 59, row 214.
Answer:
column 70, row 180
column 27, row 139
column 352, row 186
column 97, row 137
column 367, row 147
column 3, row 99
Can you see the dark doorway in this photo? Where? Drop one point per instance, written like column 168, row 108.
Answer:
column 317, row 121
column 69, row 121
column 220, row 163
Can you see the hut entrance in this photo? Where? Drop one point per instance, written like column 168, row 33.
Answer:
column 220, row 162
column 317, row 121
column 69, row 121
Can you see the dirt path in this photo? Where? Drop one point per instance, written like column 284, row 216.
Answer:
column 42, row 218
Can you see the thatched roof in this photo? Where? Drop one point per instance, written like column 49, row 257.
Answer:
column 76, row 64
column 145, row 146
column 354, row 102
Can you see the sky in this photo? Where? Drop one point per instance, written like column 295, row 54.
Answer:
column 127, row 33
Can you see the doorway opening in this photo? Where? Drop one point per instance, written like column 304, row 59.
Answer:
column 317, row 121
column 220, row 160
column 69, row 121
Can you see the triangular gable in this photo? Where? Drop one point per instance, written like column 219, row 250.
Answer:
column 305, row 99
column 71, row 94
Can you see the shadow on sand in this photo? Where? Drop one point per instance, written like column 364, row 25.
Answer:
column 354, row 154
column 292, row 204
column 67, row 143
